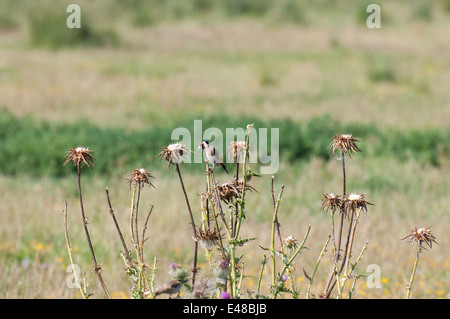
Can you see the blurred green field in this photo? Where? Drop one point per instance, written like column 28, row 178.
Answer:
column 139, row 69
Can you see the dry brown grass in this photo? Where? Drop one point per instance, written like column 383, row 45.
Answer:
column 249, row 68
column 35, row 229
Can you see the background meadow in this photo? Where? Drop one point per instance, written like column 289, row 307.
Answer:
column 139, row 69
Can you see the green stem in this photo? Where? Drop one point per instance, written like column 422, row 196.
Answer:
column 263, row 264
column 133, row 198
column 274, row 225
column 302, row 245
column 240, row 218
column 69, row 251
column 233, row 270
column 411, row 280
column 341, row 281
column 308, row 294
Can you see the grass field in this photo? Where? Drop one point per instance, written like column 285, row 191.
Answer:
column 139, row 73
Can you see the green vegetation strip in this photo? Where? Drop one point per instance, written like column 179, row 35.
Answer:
column 37, row 148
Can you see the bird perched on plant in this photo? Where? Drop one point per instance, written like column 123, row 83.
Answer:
column 170, row 288
column 212, row 156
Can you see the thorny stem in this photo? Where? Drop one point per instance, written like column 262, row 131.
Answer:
column 234, row 223
column 138, row 246
column 152, row 279
column 239, row 219
column 350, row 240
column 133, row 225
column 133, row 198
column 111, row 211
column 337, row 257
column 341, row 281
column 411, row 280
column 353, row 267
column 194, row 270
column 143, row 239
column 233, row 270
column 276, row 217
column 136, row 212
column 97, row 267
column 274, row 224
column 263, row 264
column 344, row 175
column 142, row 267
column 344, row 190
column 69, row 251
column 215, row 215
column 205, row 210
column 311, row 279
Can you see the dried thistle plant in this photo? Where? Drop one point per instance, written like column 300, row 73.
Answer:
column 349, row 205
column 419, row 236
column 232, row 190
column 331, row 201
column 345, row 142
column 352, row 202
column 174, row 153
column 140, row 177
column 207, row 238
column 290, row 242
column 80, row 155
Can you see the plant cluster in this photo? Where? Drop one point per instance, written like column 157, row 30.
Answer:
column 223, row 214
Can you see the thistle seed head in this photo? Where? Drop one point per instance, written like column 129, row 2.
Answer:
column 231, row 190
column 352, row 202
column 207, row 238
column 80, row 155
column 345, row 142
column 140, row 177
column 290, row 242
column 420, row 236
column 331, row 202
column 174, row 153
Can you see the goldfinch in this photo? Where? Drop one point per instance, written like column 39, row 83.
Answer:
column 212, row 156
column 170, row 288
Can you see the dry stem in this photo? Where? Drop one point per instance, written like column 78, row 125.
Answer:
column 97, row 267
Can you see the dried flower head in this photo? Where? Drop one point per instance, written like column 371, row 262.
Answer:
column 421, row 235
column 290, row 242
column 207, row 238
column 80, row 155
column 174, row 153
column 352, row 202
column 331, row 202
column 231, row 190
column 140, row 177
column 345, row 142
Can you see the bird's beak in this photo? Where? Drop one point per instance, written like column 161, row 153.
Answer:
column 199, row 147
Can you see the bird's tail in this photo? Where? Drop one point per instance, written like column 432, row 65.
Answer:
column 224, row 167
